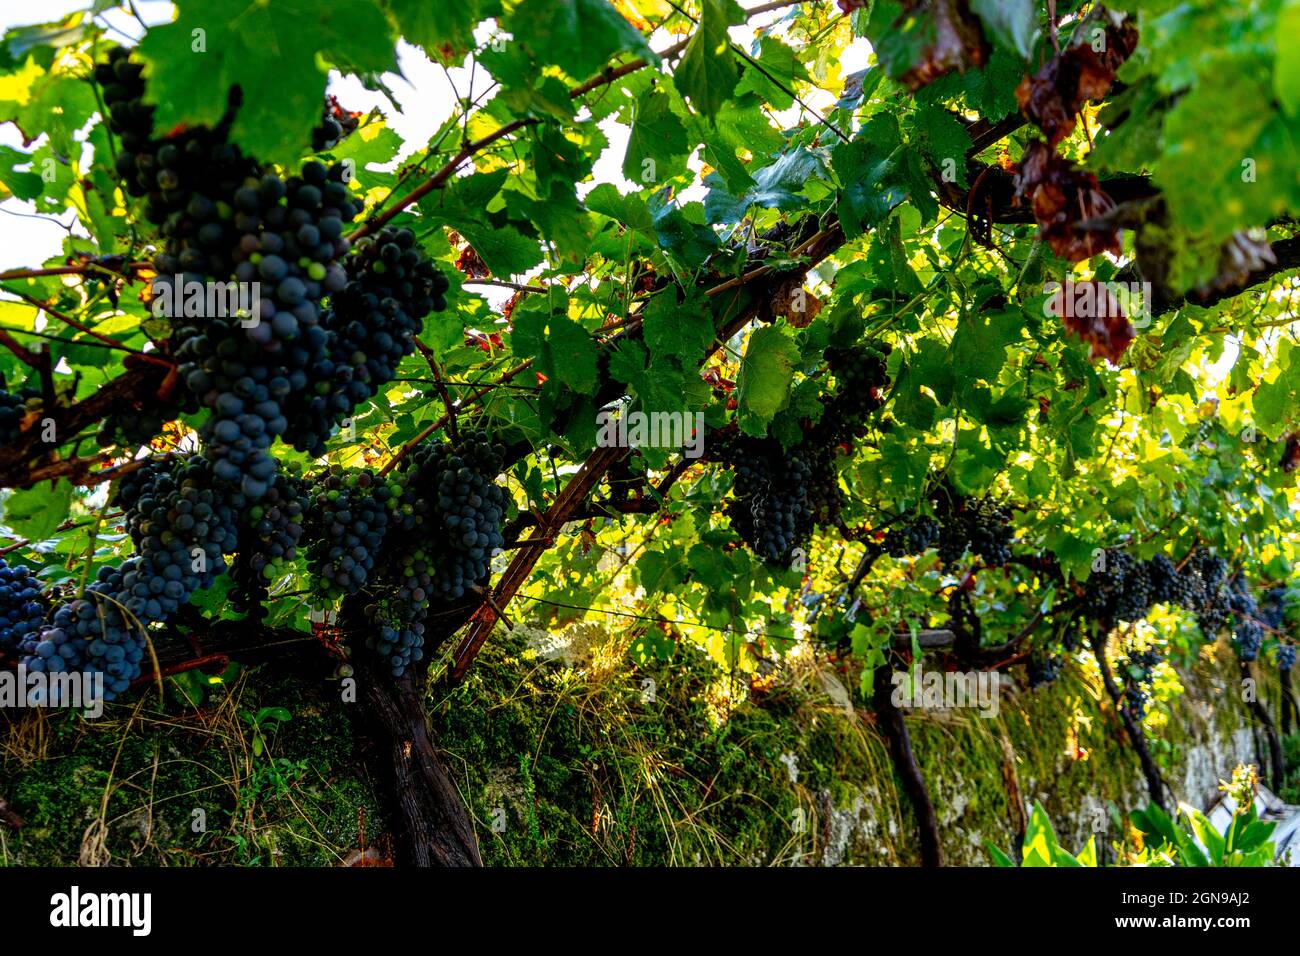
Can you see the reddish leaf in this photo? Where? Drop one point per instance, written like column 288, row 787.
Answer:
column 1240, row 257
column 1053, row 96
column 1068, row 204
column 1291, row 454
column 1090, row 311
column 956, row 43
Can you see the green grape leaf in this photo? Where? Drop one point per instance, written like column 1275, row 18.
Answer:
column 677, row 330
column 687, row 241
column 1286, row 71
column 776, row 186
column 36, row 512
column 444, row 30
column 871, row 184
column 763, row 386
column 657, row 146
column 274, row 53
column 580, row 36
column 708, row 71
column 1011, row 23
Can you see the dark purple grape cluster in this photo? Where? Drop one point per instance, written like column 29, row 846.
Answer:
column 770, row 509
column 1043, row 667
column 1286, row 656
column 914, row 536
column 269, row 533
column 183, row 524
column 371, row 326
column 260, row 349
column 398, row 643
column 1247, row 634
column 1272, row 609
column 23, row 608
column 1170, row 587
column 464, row 508
column 981, row 527
column 1137, row 672
column 347, row 522
column 861, row 376
column 14, row 406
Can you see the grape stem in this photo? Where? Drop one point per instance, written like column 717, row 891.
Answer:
column 442, row 388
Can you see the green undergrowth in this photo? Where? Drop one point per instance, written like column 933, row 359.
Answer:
column 139, row 787
column 573, row 765
column 584, row 759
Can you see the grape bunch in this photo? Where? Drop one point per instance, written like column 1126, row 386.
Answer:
column 1126, row 589
column 269, row 533
column 399, row 644
column 273, row 361
column 1272, row 609
column 1138, row 673
column 121, row 82
column 912, row 537
column 1169, row 586
column 463, row 511
column 94, row 620
column 347, row 522
column 1135, row 598
column 771, row 510
column 1043, row 667
column 981, row 527
column 13, row 407
column 1247, row 634
column 183, row 523
column 861, row 375
column 371, row 326
column 132, row 427
column 23, row 608
column 1286, row 656
column 825, row 497
column 256, row 372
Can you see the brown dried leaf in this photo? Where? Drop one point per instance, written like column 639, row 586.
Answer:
column 1091, row 311
column 958, row 43
column 1291, row 453
column 1069, row 205
column 797, row 304
column 1052, row 97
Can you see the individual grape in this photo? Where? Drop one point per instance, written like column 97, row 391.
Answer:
column 336, row 125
